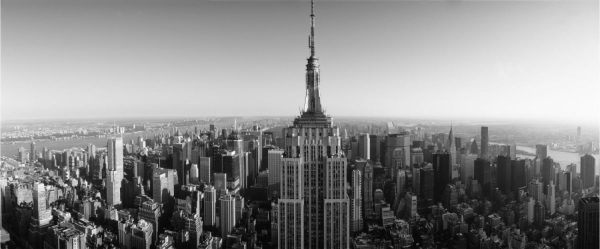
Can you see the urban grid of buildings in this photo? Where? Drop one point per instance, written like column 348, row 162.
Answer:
column 308, row 185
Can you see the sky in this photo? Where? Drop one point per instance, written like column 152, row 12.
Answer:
column 190, row 58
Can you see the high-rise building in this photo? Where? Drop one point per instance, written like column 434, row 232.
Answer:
column 41, row 213
column 587, row 223
column 427, row 181
column 451, row 148
column 232, row 166
column 227, row 214
column 22, row 155
column 411, row 205
column 274, row 163
column 317, row 144
column 587, row 170
column 541, row 151
column 135, row 235
column 204, row 174
column 337, row 204
column 367, row 185
column 178, row 163
column 220, row 182
column 114, row 171
column 151, row 211
column 518, row 174
column 547, row 171
column 483, row 174
column 290, row 220
column 356, row 205
column 397, row 152
column 163, row 188
column 484, row 142
column 512, row 151
column 530, row 209
column 141, row 235
column 534, row 189
column 374, row 147
column 504, row 175
column 561, row 178
column 442, row 172
column 364, row 146
column 4, row 235
column 569, row 181
column 63, row 236
column 474, row 148
column 194, row 174
column 539, row 214
column 416, row 180
column 467, row 163
column 551, row 198
column 210, row 202
column 32, row 152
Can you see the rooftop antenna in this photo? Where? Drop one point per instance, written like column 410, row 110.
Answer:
column 311, row 38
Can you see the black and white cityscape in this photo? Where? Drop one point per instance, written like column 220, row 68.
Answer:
column 97, row 152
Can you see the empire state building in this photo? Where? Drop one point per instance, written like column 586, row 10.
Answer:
column 313, row 209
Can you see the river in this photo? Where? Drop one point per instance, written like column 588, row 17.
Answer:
column 561, row 157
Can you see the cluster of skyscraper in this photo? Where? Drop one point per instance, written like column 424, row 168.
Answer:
column 317, row 188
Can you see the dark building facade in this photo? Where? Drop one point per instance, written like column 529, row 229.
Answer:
column 587, row 223
column 442, row 174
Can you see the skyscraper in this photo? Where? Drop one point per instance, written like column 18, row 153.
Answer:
column 427, row 179
column 150, row 211
column 274, row 164
column 290, row 230
column 451, row 148
column 587, row 170
column 541, row 151
column 364, row 146
column 587, row 223
column 397, row 152
column 539, row 214
column 547, row 172
column 356, row 207
column 22, row 155
column 114, row 171
column 551, row 198
column 483, row 174
column 178, row 162
column 367, row 185
column 316, row 144
column 504, row 175
column 227, row 214
column 442, row 172
column 484, row 142
column 204, row 168
column 32, row 152
column 194, row 174
column 517, row 172
column 4, row 235
column 41, row 213
column 210, row 202
column 374, row 147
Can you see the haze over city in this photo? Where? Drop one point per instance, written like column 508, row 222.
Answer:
column 450, row 60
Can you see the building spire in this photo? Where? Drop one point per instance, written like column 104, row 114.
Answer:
column 312, row 104
column 311, row 38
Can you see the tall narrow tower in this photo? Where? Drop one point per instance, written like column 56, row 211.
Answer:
column 484, row 142
column 115, row 171
column 451, row 147
column 313, row 157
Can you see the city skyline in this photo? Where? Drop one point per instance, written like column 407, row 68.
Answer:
column 474, row 47
column 306, row 182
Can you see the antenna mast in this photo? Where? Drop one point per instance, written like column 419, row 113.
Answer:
column 311, row 39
